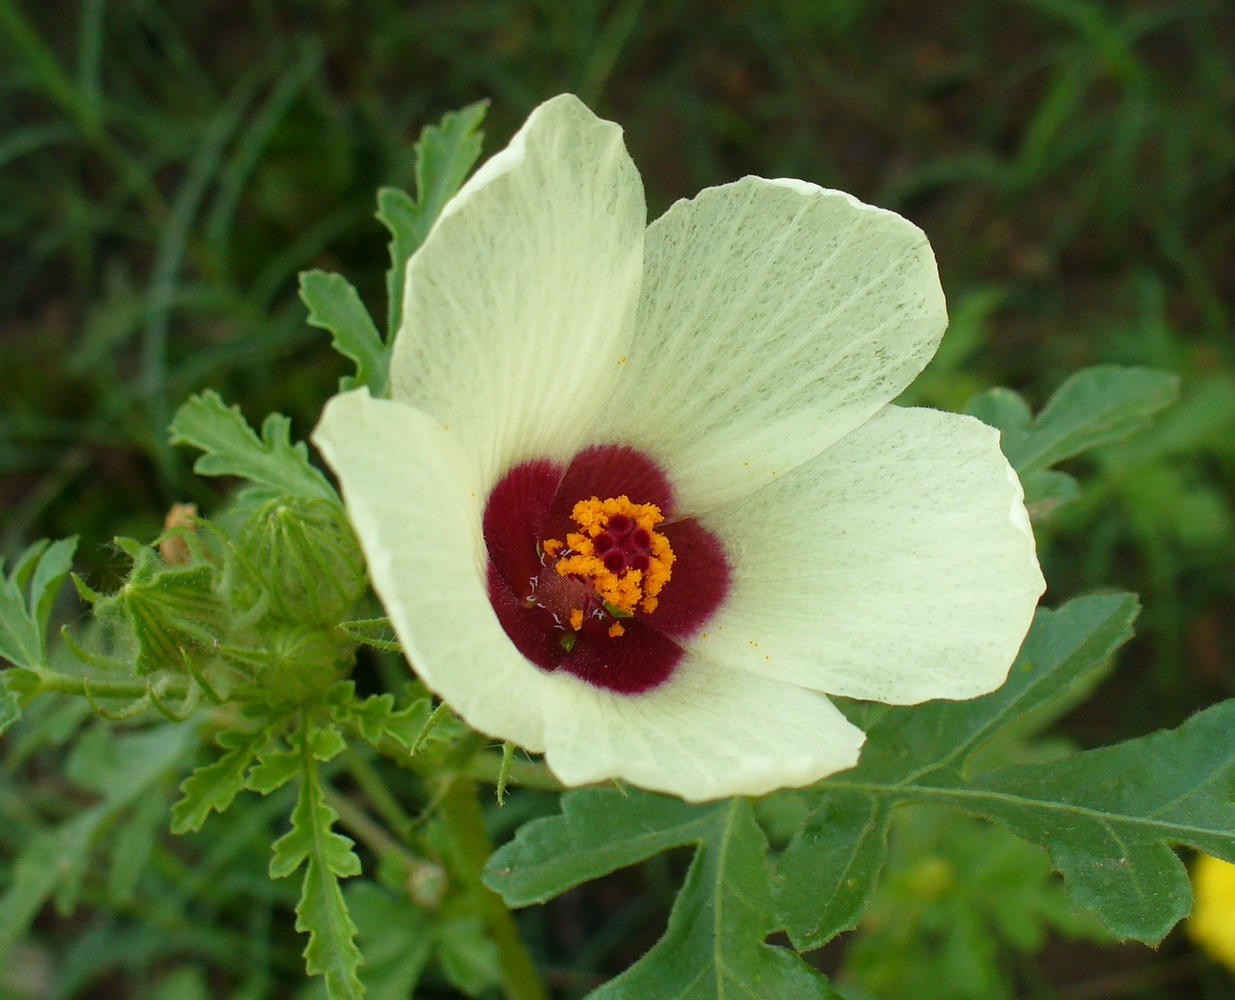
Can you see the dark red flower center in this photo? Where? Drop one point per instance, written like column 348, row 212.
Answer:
column 592, row 571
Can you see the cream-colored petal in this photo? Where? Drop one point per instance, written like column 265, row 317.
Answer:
column 519, row 305
column 413, row 498
column 898, row 566
column 709, row 732
column 776, row 316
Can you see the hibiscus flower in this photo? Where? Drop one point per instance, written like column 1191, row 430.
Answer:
column 639, row 500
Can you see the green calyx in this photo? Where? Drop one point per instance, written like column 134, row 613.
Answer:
column 299, row 662
column 173, row 613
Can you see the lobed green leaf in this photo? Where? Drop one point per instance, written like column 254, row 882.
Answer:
column 331, row 951
column 322, row 914
column 378, row 717
column 1094, row 406
column 598, row 831
column 275, row 767
column 1107, row 816
column 213, row 786
column 26, row 597
column 334, row 305
column 231, row 448
column 714, row 945
column 445, row 155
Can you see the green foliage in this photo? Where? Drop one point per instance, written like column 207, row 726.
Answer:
column 212, row 787
column 713, row 946
column 120, row 770
column 26, row 598
column 232, row 448
column 334, row 305
column 1093, row 407
column 327, row 857
column 445, row 156
column 378, row 717
column 957, row 902
column 168, row 192
column 396, row 939
column 1104, row 816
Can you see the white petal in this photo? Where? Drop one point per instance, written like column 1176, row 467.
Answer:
column 897, row 566
column 413, row 499
column 519, row 305
column 776, row 316
column 710, row 732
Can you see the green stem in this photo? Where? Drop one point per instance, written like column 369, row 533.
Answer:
column 471, row 847
column 91, row 687
column 369, row 832
column 378, row 794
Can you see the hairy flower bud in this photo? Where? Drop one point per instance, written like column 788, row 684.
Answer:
column 302, row 554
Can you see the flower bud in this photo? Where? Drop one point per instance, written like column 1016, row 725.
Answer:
column 305, row 558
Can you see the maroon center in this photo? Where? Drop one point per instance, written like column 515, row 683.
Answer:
column 531, row 503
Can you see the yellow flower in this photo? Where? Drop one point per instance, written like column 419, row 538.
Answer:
column 1212, row 924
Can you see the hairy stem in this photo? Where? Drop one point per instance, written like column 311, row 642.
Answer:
column 103, row 688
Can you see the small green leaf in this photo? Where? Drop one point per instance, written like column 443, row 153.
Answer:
column 232, row 448
column 445, row 155
column 376, row 717
column 275, row 767
column 213, row 786
column 1093, row 407
column 334, row 305
column 52, row 568
column 326, row 743
column 311, row 834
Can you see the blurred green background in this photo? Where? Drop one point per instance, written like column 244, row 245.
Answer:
column 167, row 168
